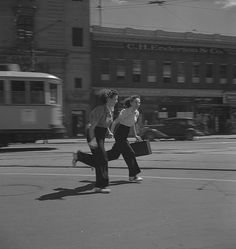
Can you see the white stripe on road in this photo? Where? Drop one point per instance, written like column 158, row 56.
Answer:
column 124, row 176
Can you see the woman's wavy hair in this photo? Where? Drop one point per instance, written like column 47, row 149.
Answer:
column 105, row 94
column 128, row 101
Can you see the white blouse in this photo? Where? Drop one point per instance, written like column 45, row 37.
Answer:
column 128, row 117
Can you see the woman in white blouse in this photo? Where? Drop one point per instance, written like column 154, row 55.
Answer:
column 125, row 121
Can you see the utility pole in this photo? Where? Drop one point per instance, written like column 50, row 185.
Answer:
column 100, row 12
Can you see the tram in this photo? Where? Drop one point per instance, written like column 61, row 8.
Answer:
column 30, row 107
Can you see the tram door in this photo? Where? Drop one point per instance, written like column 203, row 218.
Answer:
column 78, row 122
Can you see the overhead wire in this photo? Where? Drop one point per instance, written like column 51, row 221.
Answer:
column 164, row 5
column 124, row 6
column 172, row 3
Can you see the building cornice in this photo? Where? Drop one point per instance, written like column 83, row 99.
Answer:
column 151, row 36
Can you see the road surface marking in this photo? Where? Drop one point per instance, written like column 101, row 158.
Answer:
column 121, row 176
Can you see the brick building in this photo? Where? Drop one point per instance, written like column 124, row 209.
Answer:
column 51, row 36
column 176, row 74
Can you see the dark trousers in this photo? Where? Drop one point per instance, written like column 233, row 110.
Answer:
column 100, row 161
column 121, row 146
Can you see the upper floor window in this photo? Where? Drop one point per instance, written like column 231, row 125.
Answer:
column 77, row 37
column 136, row 71
column 120, row 70
column 234, row 74
column 151, row 71
column 1, row 91
column 181, row 72
column 223, row 73
column 195, row 72
column 78, row 83
column 18, row 93
column 37, row 92
column 166, row 74
column 209, row 73
column 105, row 69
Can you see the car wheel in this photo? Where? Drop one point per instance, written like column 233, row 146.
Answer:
column 189, row 136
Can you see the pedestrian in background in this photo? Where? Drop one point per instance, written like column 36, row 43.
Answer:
column 100, row 120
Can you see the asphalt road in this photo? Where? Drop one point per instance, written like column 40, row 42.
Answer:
column 186, row 201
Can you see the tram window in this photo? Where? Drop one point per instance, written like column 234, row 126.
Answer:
column 53, row 94
column 18, row 92
column 37, row 92
column 1, row 92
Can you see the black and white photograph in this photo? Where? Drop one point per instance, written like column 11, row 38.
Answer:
column 117, row 124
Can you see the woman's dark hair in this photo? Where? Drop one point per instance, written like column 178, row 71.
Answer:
column 105, row 94
column 128, row 101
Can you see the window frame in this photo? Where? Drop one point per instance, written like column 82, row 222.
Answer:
column 77, row 37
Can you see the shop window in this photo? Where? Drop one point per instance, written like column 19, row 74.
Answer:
column 223, row 73
column 18, row 92
column 120, row 70
column 209, row 73
column 136, row 71
column 167, row 72
column 181, row 72
column 37, row 95
column 151, row 71
column 195, row 72
column 77, row 37
column 78, row 83
column 1, row 91
column 105, row 69
column 234, row 74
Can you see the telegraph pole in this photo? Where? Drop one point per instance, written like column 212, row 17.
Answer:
column 100, row 12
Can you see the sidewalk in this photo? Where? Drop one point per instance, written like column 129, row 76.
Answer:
column 79, row 140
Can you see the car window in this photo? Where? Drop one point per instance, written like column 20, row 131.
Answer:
column 191, row 122
column 181, row 122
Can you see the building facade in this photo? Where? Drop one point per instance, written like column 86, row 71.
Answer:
column 176, row 74
column 53, row 37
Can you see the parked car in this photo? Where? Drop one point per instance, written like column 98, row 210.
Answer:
column 177, row 128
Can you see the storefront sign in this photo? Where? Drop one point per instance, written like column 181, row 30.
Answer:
column 172, row 48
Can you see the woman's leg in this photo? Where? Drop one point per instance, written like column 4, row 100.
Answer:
column 126, row 150
column 114, row 152
column 129, row 157
column 101, row 161
column 89, row 159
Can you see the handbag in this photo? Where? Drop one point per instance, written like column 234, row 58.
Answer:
column 141, row 148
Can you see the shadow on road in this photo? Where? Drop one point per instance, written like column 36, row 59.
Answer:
column 7, row 150
column 83, row 190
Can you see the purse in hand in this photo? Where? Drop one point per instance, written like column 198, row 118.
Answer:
column 141, row 148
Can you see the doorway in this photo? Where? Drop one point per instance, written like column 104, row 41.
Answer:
column 78, row 123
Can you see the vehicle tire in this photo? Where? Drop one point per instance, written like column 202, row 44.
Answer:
column 189, row 136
